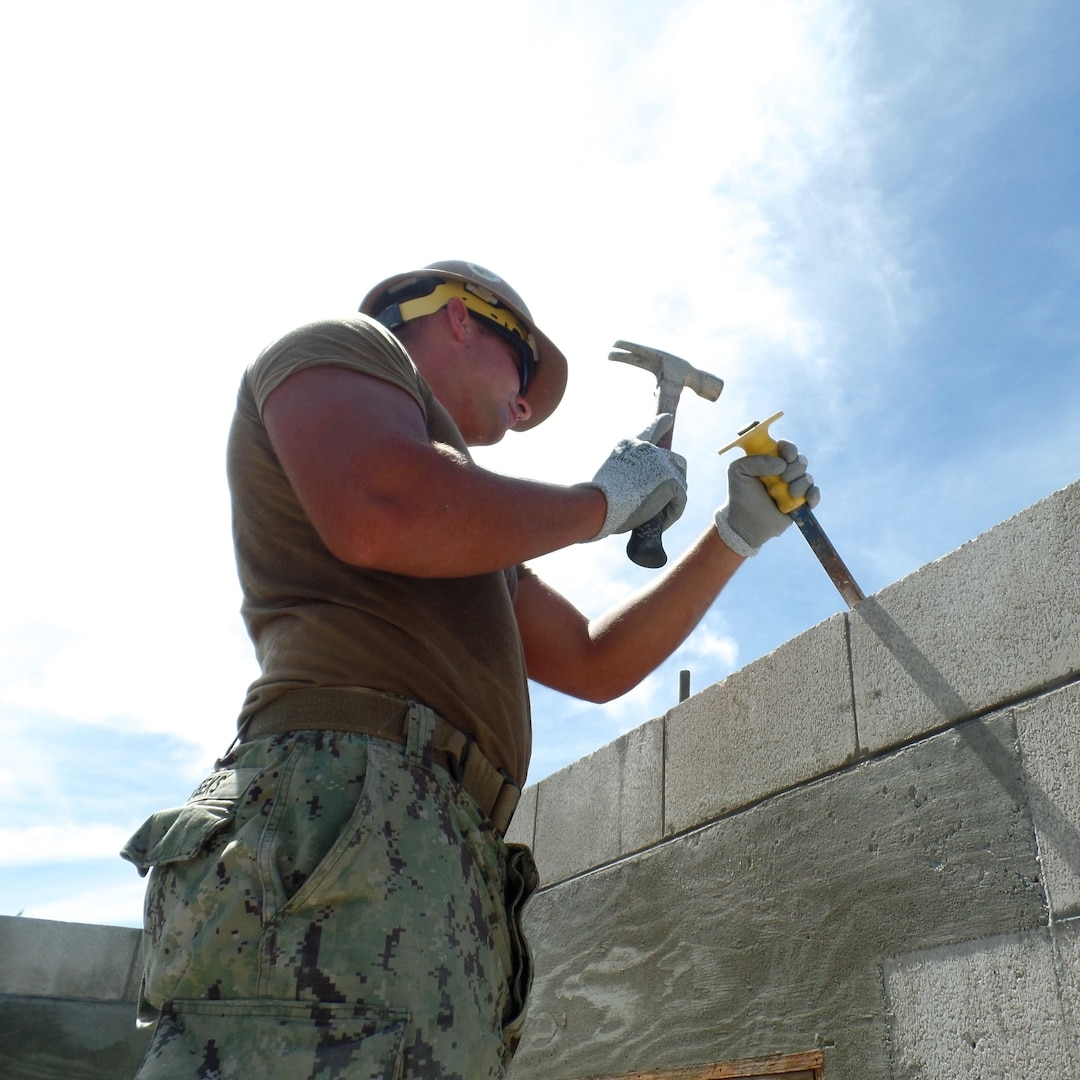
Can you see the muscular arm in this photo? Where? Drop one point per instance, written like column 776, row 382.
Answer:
column 601, row 659
column 382, row 495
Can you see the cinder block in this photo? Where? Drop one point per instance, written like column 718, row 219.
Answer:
column 51, row 1039
column 985, row 1008
column 996, row 619
column 1049, row 733
column 1066, row 938
column 777, row 722
column 523, row 825
column 603, row 806
column 43, row 958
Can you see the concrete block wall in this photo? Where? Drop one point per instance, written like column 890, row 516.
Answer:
column 867, row 842
column 67, row 1001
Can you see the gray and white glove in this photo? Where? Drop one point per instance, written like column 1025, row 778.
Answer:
column 640, row 480
column 750, row 517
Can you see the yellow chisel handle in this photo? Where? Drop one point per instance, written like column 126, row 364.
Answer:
column 756, row 439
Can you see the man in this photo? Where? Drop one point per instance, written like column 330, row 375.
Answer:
column 336, row 899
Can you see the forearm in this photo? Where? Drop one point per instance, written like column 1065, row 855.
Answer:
column 631, row 640
column 634, row 638
column 603, row 658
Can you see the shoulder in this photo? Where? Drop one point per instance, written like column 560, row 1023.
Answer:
column 358, row 343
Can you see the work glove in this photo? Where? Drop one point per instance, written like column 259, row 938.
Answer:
column 750, row 517
column 640, row 480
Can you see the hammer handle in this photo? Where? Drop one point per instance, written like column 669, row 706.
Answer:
column 646, row 545
column 667, row 401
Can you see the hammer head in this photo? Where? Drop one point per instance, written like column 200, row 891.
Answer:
column 672, row 373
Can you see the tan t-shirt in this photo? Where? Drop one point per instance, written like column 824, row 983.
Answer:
column 451, row 643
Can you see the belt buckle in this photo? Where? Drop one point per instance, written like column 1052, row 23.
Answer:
column 457, row 754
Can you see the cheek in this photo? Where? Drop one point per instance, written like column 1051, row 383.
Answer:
column 502, row 367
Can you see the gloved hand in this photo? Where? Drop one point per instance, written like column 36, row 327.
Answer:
column 640, row 480
column 750, row 517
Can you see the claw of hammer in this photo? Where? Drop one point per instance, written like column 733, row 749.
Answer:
column 672, row 373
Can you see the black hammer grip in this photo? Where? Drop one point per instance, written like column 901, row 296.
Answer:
column 646, row 544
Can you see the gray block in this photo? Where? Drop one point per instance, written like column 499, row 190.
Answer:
column 984, row 1008
column 51, row 1039
column 777, row 722
column 43, row 958
column 766, row 932
column 1066, row 937
column 995, row 620
column 523, row 824
column 1049, row 733
column 603, row 806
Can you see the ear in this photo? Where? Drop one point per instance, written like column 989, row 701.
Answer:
column 457, row 315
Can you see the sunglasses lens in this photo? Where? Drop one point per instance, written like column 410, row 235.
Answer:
column 526, row 362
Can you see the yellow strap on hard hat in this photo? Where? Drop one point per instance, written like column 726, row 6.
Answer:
column 442, row 294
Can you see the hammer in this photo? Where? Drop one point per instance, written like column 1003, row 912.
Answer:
column 645, row 546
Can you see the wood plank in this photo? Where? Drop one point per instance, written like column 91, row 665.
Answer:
column 806, row 1066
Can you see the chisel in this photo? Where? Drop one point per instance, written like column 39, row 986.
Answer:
column 755, row 439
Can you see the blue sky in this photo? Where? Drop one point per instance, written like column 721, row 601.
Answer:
column 862, row 214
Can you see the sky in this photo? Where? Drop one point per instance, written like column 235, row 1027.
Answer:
column 862, row 214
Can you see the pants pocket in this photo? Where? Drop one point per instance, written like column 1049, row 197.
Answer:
column 182, row 848
column 275, row 1040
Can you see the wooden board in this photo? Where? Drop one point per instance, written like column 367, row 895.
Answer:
column 808, row 1066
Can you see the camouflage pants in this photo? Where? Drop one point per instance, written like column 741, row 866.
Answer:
column 329, row 905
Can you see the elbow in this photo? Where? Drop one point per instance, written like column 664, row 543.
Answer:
column 585, row 673
column 372, row 539
column 360, row 554
column 357, row 547
column 603, row 687
column 604, row 695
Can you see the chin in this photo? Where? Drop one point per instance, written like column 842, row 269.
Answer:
column 483, row 438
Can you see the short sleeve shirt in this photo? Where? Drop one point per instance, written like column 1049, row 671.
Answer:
column 317, row 621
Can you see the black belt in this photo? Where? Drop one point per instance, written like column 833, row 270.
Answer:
column 385, row 716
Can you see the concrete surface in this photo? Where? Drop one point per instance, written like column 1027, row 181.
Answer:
column 609, row 803
column 43, row 958
column 1049, row 731
column 725, row 748
column 56, row 1039
column 994, row 621
column 67, row 1001
column 941, row 1026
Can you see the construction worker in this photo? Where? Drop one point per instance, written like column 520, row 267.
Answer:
column 337, row 898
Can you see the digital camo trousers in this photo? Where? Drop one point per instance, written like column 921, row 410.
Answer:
column 328, row 905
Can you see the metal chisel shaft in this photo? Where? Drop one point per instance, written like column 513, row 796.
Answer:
column 827, row 554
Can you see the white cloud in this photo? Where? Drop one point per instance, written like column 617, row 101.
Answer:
column 61, row 842
column 118, row 903
column 706, row 644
